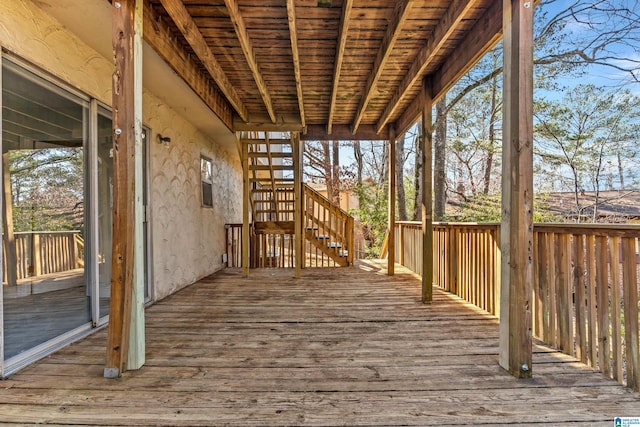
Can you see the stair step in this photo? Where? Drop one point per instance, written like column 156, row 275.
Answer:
column 276, row 155
column 334, row 245
column 268, row 180
column 272, row 211
column 265, row 141
column 279, row 189
column 271, row 167
column 322, row 236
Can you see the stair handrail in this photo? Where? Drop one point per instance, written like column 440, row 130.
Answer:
column 343, row 233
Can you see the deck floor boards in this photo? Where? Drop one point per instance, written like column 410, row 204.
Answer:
column 344, row 346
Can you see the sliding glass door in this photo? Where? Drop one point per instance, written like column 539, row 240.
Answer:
column 57, row 193
column 44, row 139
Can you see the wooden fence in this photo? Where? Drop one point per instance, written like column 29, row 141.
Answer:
column 585, row 291
column 44, row 252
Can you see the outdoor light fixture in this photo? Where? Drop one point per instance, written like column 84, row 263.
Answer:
column 163, row 139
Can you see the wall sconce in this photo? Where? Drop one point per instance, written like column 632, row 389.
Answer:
column 163, row 139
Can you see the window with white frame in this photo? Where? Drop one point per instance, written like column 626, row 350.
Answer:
column 206, row 176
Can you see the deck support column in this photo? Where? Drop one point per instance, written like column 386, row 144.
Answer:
column 126, row 315
column 516, row 238
column 391, row 248
column 427, row 189
column 297, row 190
column 245, row 209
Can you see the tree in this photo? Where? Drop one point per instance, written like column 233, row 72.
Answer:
column 402, row 201
column 439, row 161
column 47, row 189
column 582, row 135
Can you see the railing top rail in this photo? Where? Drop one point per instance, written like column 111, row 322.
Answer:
column 559, row 227
column 483, row 225
column 324, row 199
column 23, row 233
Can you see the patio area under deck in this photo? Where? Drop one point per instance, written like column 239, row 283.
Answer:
column 343, row 346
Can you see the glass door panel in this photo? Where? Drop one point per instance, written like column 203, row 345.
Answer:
column 105, row 204
column 43, row 212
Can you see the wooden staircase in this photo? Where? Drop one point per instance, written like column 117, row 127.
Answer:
column 328, row 230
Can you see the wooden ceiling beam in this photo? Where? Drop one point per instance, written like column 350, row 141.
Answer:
column 400, row 15
column 448, row 23
column 345, row 18
column 284, row 123
column 293, row 35
column 185, row 23
column 342, row 133
column 159, row 37
column 482, row 37
column 249, row 54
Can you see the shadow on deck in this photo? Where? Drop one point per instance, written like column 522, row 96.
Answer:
column 344, row 346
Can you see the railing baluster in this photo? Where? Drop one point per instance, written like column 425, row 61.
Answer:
column 630, row 284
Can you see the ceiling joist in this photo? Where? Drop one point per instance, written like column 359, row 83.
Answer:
column 293, row 35
column 345, row 18
column 159, row 37
column 183, row 20
column 249, row 54
column 446, row 26
column 482, row 37
column 391, row 36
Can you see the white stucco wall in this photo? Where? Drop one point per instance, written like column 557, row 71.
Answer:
column 188, row 240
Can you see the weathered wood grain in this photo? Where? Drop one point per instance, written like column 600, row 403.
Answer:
column 349, row 346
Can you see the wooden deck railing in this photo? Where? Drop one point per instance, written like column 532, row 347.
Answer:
column 585, row 299
column 44, row 252
column 332, row 226
column 329, row 237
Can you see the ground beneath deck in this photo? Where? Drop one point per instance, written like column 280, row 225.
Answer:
column 343, row 346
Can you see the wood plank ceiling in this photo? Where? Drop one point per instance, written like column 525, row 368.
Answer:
column 335, row 69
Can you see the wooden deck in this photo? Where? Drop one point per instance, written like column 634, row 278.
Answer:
column 343, row 346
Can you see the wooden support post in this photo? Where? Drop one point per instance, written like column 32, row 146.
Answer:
column 124, row 124
column 245, row 209
column 7, row 224
column 297, row 201
column 391, row 245
column 427, row 189
column 517, row 190
column 136, row 354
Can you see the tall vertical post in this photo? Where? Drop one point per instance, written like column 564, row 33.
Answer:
column 297, row 190
column 136, row 356
column 245, row 208
column 391, row 250
column 517, row 190
column 124, row 124
column 427, row 191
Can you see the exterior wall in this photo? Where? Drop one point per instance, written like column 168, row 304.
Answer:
column 188, row 240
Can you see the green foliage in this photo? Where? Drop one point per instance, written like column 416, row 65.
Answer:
column 47, row 189
column 586, row 136
column 486, row 208
column 373, row 215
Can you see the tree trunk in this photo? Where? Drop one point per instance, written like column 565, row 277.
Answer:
column 417, row 201
column 328, row 178
column 334, row 196
column 357, row 153
column 439, row 159
column 402, row 200
column 621, row 172
column 492, row 137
